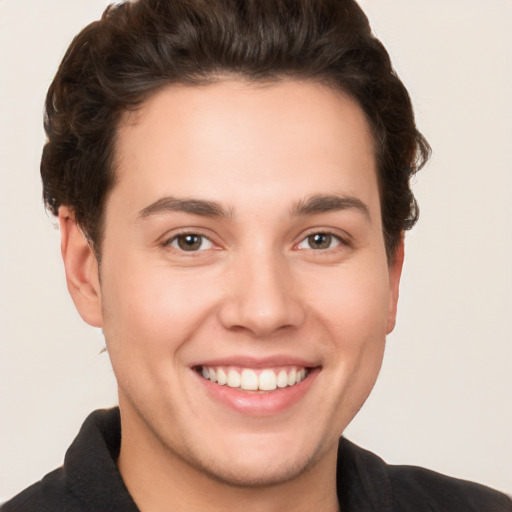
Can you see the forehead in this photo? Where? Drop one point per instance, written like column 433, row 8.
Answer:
column 236, row 142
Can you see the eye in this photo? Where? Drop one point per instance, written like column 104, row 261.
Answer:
column 190, row 242
column 320, row 242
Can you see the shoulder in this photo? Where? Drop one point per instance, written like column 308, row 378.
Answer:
column 89, row 480
column 418, row 487
column 47, row 495
column 411, row 488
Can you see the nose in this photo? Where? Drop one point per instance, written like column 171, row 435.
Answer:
column 261, row 296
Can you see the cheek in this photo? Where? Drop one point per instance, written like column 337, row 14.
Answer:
column 148, row 320
column 353, row 303
column 350, row 310
column 153, row 308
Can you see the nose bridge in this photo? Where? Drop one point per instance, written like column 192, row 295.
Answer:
column 261, row 297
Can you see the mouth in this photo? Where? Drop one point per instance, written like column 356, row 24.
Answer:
column 257, row 387
column 260, row 380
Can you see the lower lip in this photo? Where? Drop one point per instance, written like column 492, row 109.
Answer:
column 259, row 404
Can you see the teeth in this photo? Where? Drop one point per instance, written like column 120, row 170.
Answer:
column 268, row 380
column 249, row 379
column 282, row 379
column 234, row 379
column 222, row 378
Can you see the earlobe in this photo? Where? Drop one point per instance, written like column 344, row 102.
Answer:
column 395, row 272
column 82, row 274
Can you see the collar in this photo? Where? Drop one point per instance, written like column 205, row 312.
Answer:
column 90, row 464
column 363, row 482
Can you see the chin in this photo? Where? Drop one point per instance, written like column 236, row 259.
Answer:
column 256, row 460
column 255, row 473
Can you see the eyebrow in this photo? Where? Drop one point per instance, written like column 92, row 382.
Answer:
column 310, row 206
column 194, row 206
column 329, row 203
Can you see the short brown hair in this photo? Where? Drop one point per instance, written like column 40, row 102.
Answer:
column 138, row 47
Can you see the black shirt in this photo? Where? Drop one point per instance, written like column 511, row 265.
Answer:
column 89, row 481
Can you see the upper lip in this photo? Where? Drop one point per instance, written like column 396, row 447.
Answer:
column 245, row 361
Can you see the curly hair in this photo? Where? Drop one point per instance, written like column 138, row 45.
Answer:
column 138, row 47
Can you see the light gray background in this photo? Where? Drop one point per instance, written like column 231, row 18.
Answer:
column 443, row 397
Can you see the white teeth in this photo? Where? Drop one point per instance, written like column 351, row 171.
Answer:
column 267, row 380
column 282, row 379
column 222, row 378
column 249, row 380
column 233, row 379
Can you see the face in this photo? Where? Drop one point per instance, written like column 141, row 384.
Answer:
column 244, row 290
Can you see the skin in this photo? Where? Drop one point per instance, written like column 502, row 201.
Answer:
column 256, row 288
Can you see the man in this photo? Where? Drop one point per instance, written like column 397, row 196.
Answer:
column 232, row 187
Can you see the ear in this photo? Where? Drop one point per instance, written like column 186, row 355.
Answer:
column 395, row 271
column 82, row 273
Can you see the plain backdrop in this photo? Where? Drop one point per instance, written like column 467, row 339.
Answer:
column 443, row 399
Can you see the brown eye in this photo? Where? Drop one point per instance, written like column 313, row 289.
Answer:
column 191, row 242
column 320, row 241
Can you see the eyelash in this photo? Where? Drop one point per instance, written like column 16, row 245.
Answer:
column 205, row 239
column 176, row 238
column 341, row 241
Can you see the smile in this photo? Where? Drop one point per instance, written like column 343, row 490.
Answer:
column 248, row 379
